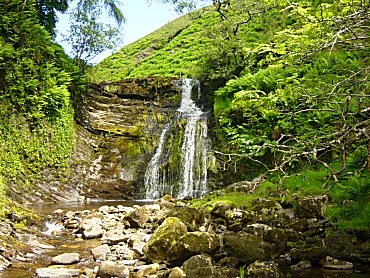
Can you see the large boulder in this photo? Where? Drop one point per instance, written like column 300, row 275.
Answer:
column 193, row 217
column 339, row 245
column 312, row 207
column 166, row 235
column 193, row 243
column 247, row 247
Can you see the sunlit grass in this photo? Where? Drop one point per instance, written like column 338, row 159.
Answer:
column 350, row 198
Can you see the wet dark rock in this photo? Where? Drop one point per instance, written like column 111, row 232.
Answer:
column 333, row 263
column 311, row 253
column 312, row 207
column 66, row 258
column 197, row 261
column 246, row 247
column 110, row 269
column 301, row 266
column 339, row 245
column 263, row 269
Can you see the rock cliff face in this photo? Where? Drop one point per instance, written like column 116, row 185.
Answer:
column 117, row 130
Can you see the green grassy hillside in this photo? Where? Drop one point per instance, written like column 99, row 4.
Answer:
column 172, row 50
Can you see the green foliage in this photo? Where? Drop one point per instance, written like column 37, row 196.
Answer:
column 29, row 150
column 36, row 78
column 31, row 80
column 2, row 189
column 352, row 206
column 242, row 271
column 235, row 199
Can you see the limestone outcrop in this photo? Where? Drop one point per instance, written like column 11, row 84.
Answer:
column 117, row 129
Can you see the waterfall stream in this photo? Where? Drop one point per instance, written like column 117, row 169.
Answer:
column 186, row 176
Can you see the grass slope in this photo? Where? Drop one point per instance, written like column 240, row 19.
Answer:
column 172, row 50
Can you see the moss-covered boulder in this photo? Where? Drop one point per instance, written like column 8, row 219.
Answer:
column 339, row 245
column 197, row 261
column 247, row 247
column 312, row 207
column 167, row 234
column 311, row 253
column 193, row 217
column 193, row 243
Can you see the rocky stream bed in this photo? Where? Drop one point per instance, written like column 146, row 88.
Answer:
column 169, row 239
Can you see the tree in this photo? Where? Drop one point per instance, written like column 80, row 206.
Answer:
column 305, row 98
column 110, row 5
column 87, row 36
column 46, row 11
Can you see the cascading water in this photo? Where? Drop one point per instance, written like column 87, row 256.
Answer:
column 189, row 178
column 154, row 182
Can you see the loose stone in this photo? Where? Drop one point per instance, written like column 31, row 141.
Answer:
column 66, row 258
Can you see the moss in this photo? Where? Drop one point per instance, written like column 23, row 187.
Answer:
column 28, row 149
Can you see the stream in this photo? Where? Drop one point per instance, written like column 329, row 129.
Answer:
column 64, row 241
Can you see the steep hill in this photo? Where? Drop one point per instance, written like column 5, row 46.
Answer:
column 172, row 50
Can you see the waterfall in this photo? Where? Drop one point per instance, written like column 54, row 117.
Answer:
column 154, row 185
column 189, row 176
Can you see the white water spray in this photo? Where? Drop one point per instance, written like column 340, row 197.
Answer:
column 192, row 176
